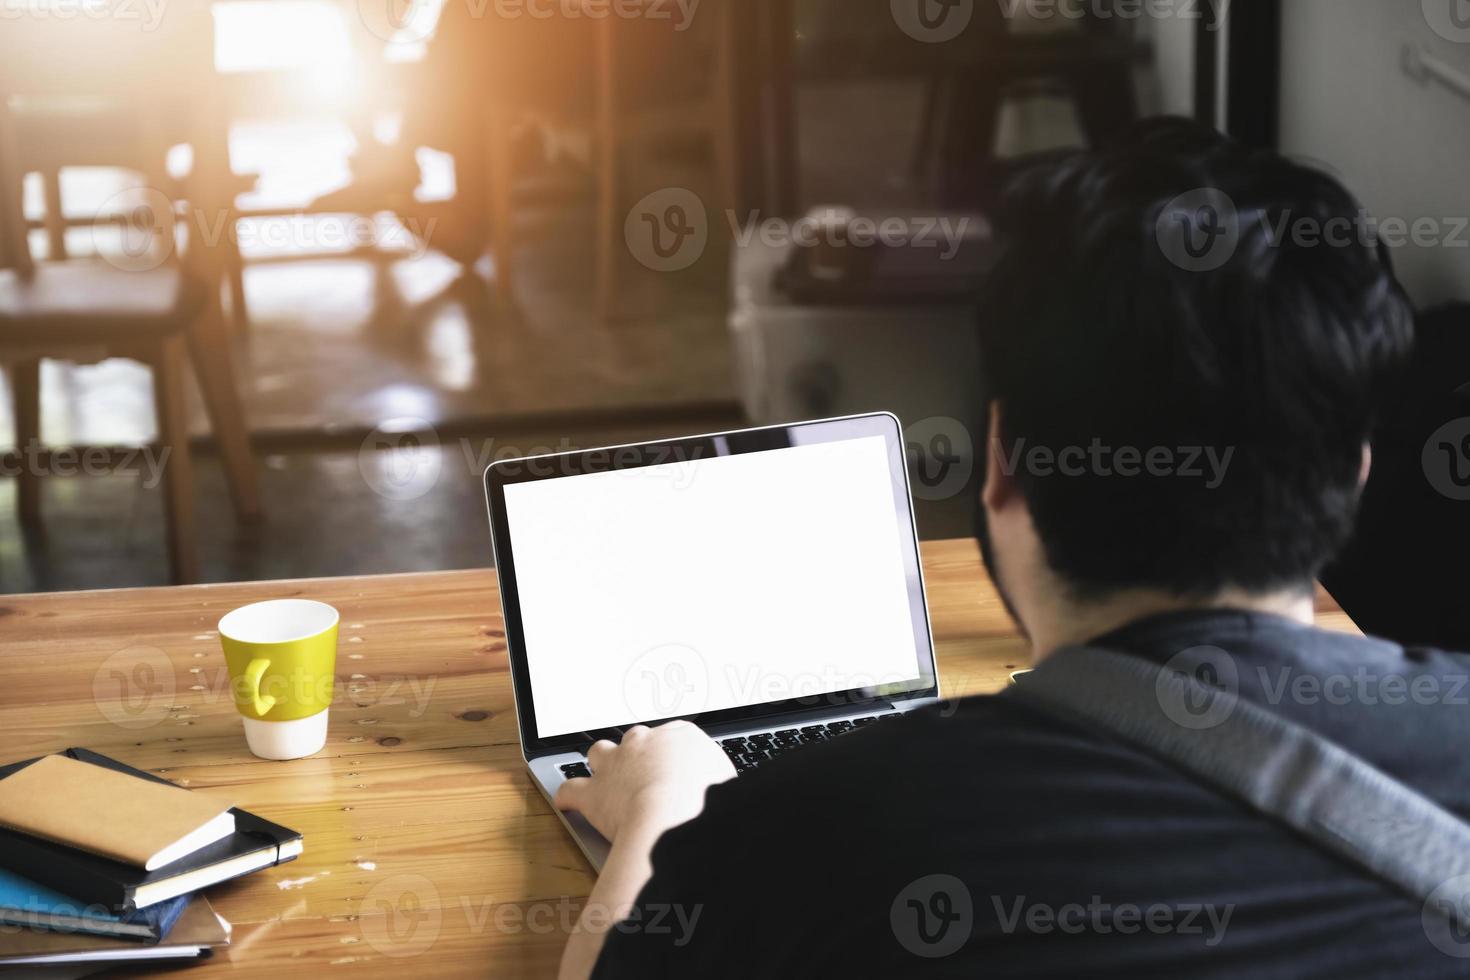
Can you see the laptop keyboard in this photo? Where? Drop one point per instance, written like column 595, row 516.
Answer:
column 748, row 752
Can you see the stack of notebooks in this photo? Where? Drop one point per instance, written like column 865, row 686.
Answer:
column 102, row 863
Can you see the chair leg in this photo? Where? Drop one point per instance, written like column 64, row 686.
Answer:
column 609, row 228
column 502, row 203
column 235, row 273
column 25, row 395
column 724, row 116
column 55, row 220
column 921, row 161
column 209, row 350
column 178, row 469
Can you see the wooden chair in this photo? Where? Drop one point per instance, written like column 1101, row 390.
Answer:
column 163, row 313
column 480, row 79
column 655, row 85
column 526, row 70
column 484, row 76
column 649, row 83
column 106, row 134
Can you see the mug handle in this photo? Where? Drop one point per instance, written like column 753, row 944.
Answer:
column 253, row 672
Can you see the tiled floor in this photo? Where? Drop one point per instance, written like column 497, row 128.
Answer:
column 348, row 342
column 327, row 513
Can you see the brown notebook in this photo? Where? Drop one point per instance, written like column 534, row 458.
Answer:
column 111, row 814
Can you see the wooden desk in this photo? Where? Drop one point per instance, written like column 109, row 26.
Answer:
column 427, row 848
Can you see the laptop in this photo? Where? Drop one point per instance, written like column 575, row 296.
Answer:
column 764, row 584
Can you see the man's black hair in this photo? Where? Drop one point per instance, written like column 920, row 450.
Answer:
column 1183, row 293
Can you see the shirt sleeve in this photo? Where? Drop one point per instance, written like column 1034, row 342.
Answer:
column 763, row 882
column 683, row 922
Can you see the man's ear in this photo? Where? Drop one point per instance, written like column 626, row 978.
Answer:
column 1000, row 483
column 1367, row 467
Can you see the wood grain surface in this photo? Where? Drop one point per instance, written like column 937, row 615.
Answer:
column 427, row 847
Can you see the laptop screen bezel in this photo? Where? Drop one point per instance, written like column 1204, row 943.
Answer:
column 504, row 473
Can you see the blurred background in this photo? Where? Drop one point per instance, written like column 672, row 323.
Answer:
column 278, row 278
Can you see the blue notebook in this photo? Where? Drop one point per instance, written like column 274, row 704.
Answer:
column 24, row 902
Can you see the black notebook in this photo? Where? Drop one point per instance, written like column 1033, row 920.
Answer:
column 256, row 844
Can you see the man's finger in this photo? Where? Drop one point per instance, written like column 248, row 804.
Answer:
column 570, row 794
column 599, row 750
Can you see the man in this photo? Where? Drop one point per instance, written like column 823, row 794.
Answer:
column 1156, row 307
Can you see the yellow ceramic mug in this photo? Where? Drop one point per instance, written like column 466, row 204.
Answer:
column 282, row 657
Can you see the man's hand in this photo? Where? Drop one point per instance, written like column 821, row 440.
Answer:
column 654, row 780
column 651, row 782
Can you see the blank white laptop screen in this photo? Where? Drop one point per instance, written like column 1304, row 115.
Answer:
column 702, row 585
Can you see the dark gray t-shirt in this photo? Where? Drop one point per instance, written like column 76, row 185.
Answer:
column 982, row 838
